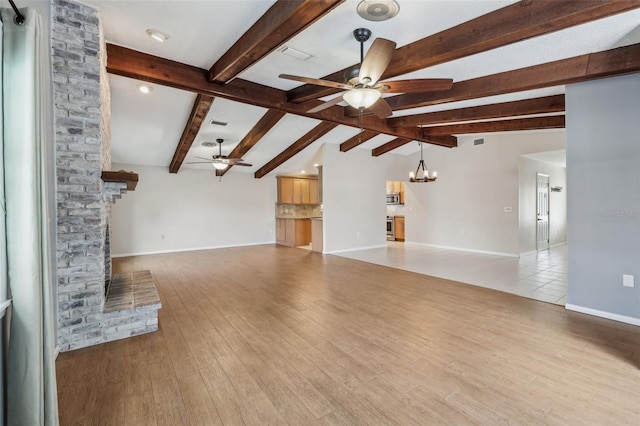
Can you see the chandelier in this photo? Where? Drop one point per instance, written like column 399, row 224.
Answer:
column 422, row 174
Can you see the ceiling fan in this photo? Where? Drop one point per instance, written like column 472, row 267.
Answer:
column 362, row 88
column 220, row 162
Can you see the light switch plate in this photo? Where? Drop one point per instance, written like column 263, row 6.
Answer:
column 627, row 280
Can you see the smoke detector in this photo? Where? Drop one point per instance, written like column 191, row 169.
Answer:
column 378, row 10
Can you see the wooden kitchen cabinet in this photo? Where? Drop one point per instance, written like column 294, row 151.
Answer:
column 300, row 191
column 396, row 187
column 297, row 190
column 314, row 192
column 285, row 190
column 399, row 227
column 293, row 232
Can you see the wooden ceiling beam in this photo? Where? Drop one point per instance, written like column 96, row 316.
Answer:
column 619, row 61
column 389, row 146
column 398, row 142
column 281, row 22
column 521, row 20
column 153, row 69
column 545, row 105
column 196, row 118
column 262, row 127
column 357, row 139
column 306, row 140
column 535, row 123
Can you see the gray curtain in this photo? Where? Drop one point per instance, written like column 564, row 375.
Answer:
column 32, row 395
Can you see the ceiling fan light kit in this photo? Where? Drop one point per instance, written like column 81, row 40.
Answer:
column 361, row 97
column 378, row 10
column 220, row 166
column 362, row 88
column 220, row 162
column 422, row 174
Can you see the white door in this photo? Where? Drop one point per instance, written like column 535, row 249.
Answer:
column 542, row 211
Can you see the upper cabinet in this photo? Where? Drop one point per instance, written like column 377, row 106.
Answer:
column 298, row 190
column 396, row 187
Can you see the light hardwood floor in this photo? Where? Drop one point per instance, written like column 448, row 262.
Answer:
column 275, row 335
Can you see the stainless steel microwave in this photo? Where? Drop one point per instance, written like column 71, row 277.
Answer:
column 393, row 198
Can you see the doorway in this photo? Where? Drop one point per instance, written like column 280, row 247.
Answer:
column 395, row 210
column 542, row 212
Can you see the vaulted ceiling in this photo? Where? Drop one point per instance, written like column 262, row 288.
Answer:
column 509, row 62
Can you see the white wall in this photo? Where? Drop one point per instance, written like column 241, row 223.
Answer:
column 464, row 208
column 527, row 203
column 192, row 209
column 354, row 207
column 603, row 176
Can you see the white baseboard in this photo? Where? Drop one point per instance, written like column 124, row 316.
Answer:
column 493, row 253
column 146, row 253
column 354, row 249
column 603, row 314
column 564, row 243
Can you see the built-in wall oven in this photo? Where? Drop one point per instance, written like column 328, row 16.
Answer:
column 391, row 229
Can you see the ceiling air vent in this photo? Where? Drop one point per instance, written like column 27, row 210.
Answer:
column 478, row 142
column 218, row 123
column 294, row 53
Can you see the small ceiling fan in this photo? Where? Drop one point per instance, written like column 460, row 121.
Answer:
column 221, row 162
column 362, row 88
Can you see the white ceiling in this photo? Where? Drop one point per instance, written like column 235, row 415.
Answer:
column 146, row 128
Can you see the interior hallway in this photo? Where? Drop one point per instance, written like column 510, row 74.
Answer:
column 540, row 276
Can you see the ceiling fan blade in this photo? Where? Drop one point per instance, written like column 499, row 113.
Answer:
column 376, row 61
column 199, row 162
column 315, row 81
column 242, row 164
column 416, row 85
column 327, row 104
column 381, row 108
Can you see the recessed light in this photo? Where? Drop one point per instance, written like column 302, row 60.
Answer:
column 316, row 165
column 145, row 88
column 302, row 171
column 157, row 35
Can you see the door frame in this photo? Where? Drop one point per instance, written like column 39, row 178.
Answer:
column 538, row 246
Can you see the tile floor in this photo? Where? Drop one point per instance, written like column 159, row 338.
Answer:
column 541, row 276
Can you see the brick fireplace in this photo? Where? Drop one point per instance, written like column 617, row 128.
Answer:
column 85, row 190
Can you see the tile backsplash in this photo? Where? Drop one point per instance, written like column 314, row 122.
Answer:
column 395, row 209
column 298, row 211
